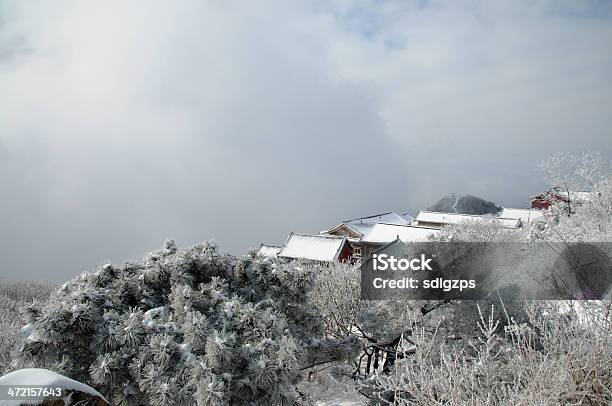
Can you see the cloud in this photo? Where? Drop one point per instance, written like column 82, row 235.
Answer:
column 122, row 124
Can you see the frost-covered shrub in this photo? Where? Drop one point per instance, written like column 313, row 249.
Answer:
column 13, row 297
column 383, row 328
column 557, row 357
column 192, row 326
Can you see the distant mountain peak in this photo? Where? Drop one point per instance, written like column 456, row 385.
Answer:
column 467, row 204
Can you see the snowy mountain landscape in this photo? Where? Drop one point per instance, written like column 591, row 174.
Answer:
column 305, row 203
column 199, row 326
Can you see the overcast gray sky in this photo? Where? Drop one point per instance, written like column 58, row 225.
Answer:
column 124, row 123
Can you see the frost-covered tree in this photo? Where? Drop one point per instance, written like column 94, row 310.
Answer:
column 192, row 326
column 569, row 173
column 590, row 221
column 488, row 230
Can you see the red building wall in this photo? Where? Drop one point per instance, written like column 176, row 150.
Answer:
column 346, row 253
column 544, row 200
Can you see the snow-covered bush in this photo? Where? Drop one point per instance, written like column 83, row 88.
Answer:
column 551, row 359
column 383, row 328
column 13, row 297
column 192, row 326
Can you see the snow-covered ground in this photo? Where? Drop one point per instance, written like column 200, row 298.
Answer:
column 340, row 394
column 342, row 400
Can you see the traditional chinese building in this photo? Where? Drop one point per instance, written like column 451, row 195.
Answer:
column 545, row 199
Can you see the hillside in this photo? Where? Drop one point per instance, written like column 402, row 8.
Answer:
column 467, row 204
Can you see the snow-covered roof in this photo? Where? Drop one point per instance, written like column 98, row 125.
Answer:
column 358, row 227
column 43, row 377
column 385, row 233
column 525, row 215
column 270, row 251
column 408, row 217
column 434, row 217
column 361, row 228
column 390, row 217
column 314, row 247
column 351, row 230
